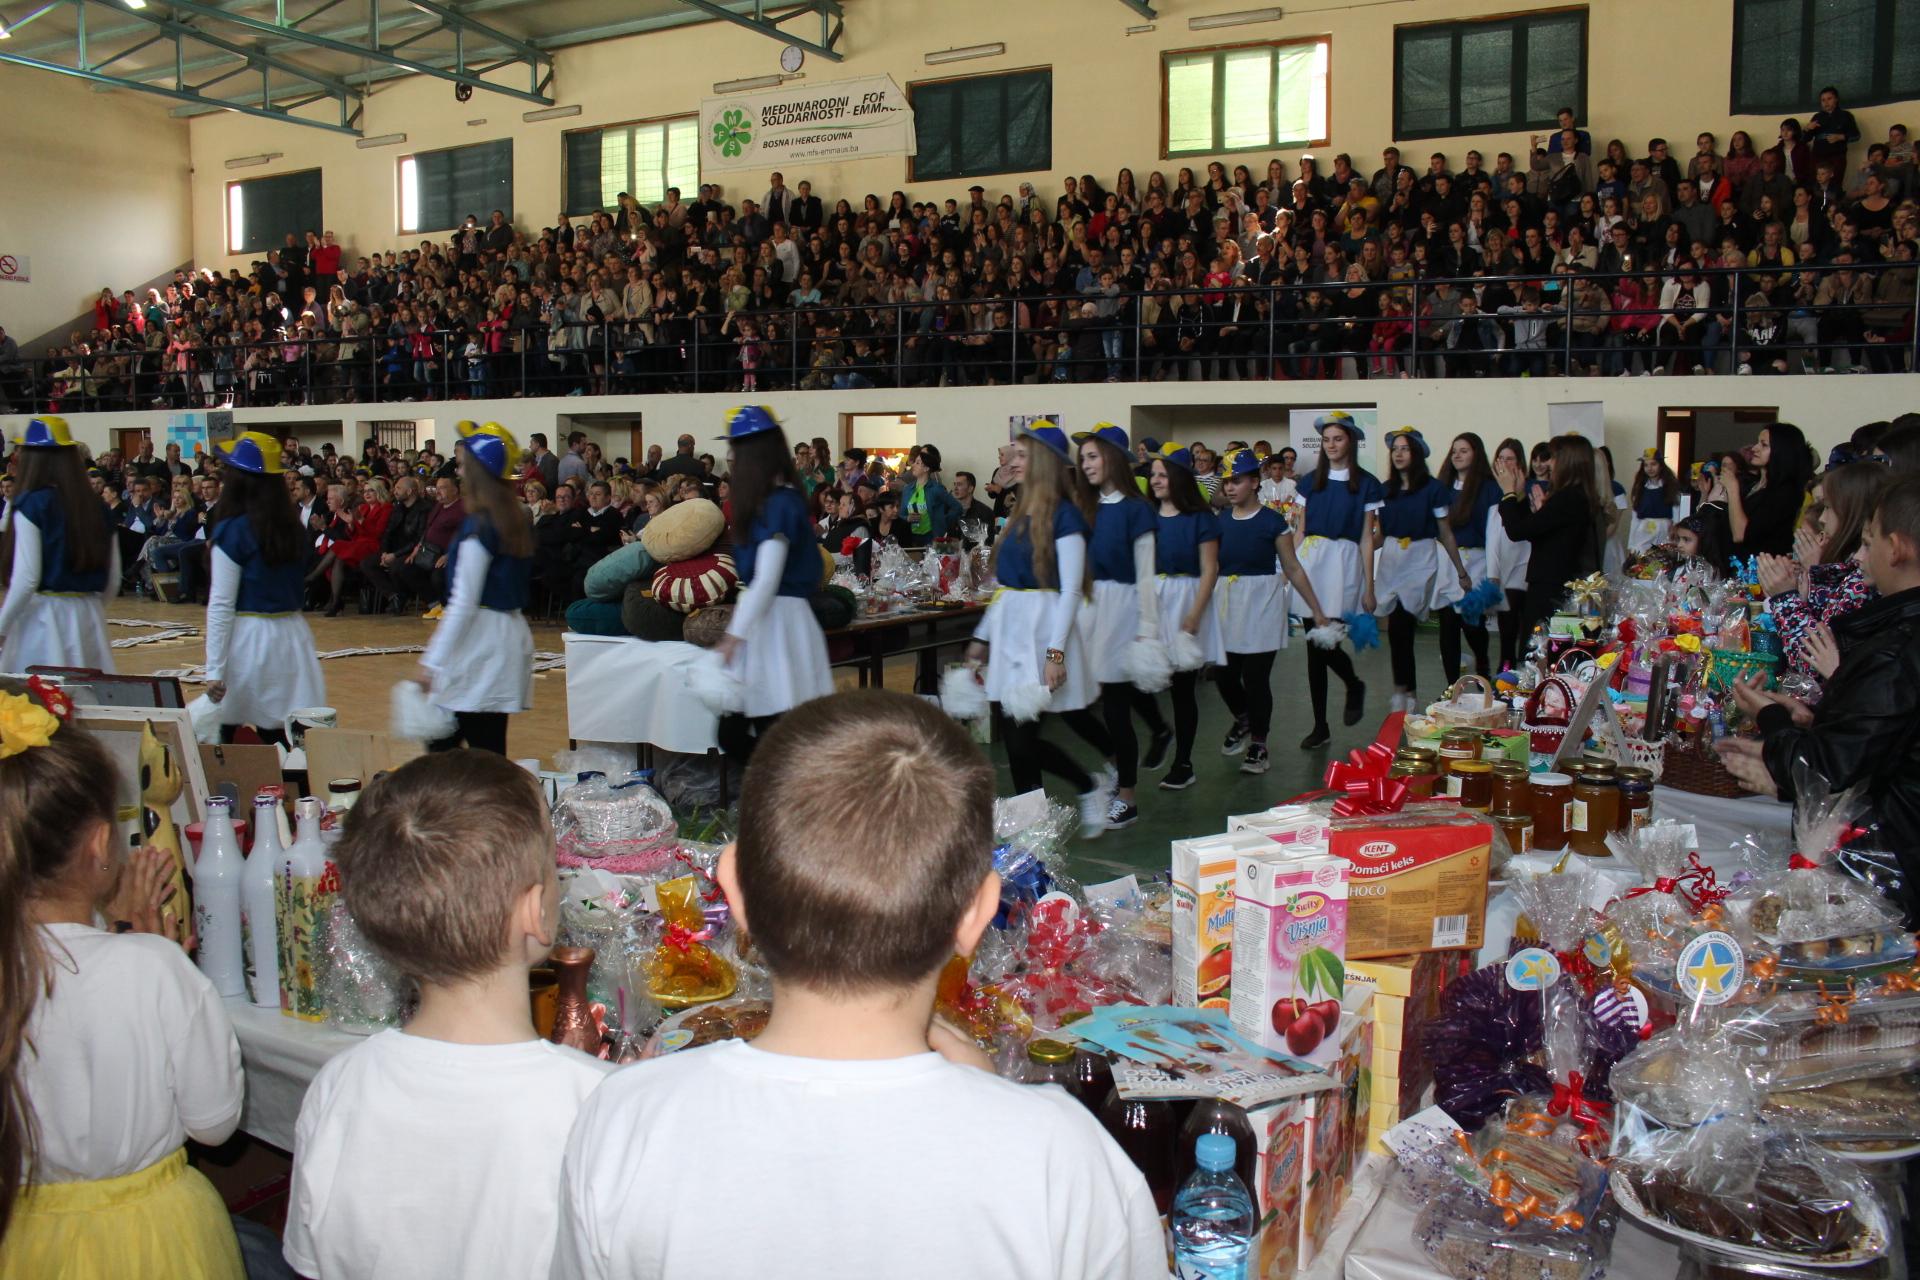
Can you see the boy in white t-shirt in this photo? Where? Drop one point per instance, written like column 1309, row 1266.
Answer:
column 435, row 1151
column 837, row 1144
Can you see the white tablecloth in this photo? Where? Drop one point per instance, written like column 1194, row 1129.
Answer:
column 1722, row 823
column 623, row 689
column 280, row 1055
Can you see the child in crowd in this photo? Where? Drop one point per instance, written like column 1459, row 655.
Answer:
column 434, row 1150
column 862, row 1152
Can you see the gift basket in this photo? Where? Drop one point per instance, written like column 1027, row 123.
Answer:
column 1471, row 703
column 621, row 827
column 1549, row 714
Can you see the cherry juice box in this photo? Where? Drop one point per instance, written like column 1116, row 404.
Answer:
column 1203, row 916
column 1289, row 952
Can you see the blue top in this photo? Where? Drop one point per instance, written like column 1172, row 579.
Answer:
column 1333, row 512
column 784, row 515
column 43, row 510
column 1474, row 532
column 1115, row 527
column 1410, row 513
column 1247, row 546
column 1013, row 553
column 1176, row 545
column 1653, row 505
column 509, row 578
column 264, row 588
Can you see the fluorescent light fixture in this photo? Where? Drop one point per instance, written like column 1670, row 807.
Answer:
column 136, row 4
column 476, row 123
column 751, row 83
column 253, row 162
column 1141, row 28
column 966, row 53
column 550, row 113
column 383, row 140
column 6, row 32
column 1244, row 17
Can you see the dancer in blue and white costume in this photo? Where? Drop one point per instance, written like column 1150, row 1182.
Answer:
column 60, row 556
column 1411, row 532
column 1341, row 516
column 1466, row 479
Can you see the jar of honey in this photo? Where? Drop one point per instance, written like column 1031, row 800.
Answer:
column 1412, row 760
column 1550, row 802
column 1459, row 744
column 1595, row 810
column 1509, row 787
column 1517, row 828
column 1636, row 798
column 1471, row 782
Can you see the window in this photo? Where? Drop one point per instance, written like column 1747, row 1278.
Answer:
column 983, row 124
column 1489, row 77
column 1786, row 51
column 438, row 189
column 1244, row 98
column 260, row 211
column 641, row 159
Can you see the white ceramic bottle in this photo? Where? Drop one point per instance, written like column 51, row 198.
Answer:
column 259, row 905
column 216, row 902
column 306, row 893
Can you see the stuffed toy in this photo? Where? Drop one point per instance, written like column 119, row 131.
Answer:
column 687, row 585
column 683, row 531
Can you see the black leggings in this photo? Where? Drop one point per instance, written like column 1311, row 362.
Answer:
column 1451, row 625
column 1510, row 638
column 1118, row 704
column 1246, row 685
column 1029, row 755
column 481, row 730
column 738, row 735
column 1319, row 662
column 1186, row 715
column 1400, row 626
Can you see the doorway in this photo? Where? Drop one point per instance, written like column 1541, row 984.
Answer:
column 886, row 436
column 1687, row 436
column 128, row 440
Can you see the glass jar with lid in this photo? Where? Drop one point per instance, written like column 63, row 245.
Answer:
column 1550, row 798
column 1459, row 744
column 1595, row 810
column 1636, row 798
column 1509, row 787
column 1051, row 1062
column 1517, row 828
column 1471, row 782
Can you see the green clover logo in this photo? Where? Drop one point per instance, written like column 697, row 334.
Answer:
column 730, row 132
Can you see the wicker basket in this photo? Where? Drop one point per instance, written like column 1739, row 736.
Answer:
column 1549, row 712
column 1700, row 773
column 1449, row 712
column 1637, row 753
column 1724, row 666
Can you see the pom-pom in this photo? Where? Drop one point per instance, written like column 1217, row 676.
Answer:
column 1485, row 597
column 962, row 696
column 206, row 720
column 1148, row 665
column 1327, row 637
column 1184, row 652
column 416, row 719
column 1024, row 702
column 1364, row 630
column 715, row 685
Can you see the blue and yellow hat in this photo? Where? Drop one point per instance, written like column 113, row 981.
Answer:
column 252, row 451
column 1105, row 431
column 1177, row 456
column 1413, row 437
column 749, row 420
column 491, row 445
column 1342, row 419
column 1245, row 463
column 45, row 433
column 1050, row 436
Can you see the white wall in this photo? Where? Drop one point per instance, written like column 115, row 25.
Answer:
column 96, row 194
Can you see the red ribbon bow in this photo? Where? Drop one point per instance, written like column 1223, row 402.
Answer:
column 1694, row 885
column 1369, row 764
column 52, row 698
column 1377, row 796
column 1801, row 862
column 681, row 938
column 1570, row 1100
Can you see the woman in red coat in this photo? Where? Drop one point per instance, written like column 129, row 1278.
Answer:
column 365, row 524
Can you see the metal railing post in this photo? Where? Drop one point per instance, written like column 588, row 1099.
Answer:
column 1413, row 335
column 1733, row 339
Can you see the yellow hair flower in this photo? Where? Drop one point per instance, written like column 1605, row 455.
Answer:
column 1688, row 642
column 24, row 725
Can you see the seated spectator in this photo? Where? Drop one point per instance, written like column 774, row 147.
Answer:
column 1823, row 582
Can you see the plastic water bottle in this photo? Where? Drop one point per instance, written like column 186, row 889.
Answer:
column 1212, row 1216
column 259, row 904
column 304, row 896
column 216, row 901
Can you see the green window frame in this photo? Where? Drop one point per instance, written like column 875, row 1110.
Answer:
column 980, row 125
column 1492, row 75
column 1245, row 97
column 260, row 211
column 1786, row 51
column 642, row 158
column 438, row 189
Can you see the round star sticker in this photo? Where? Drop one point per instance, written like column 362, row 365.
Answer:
column 1710, row 968
column 1532, row 969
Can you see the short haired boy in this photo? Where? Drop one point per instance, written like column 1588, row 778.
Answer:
column 434, row 1150
column 854, row 1149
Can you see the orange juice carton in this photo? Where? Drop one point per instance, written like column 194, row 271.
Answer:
column 1289, row 953
column 1419, row 881
column 1203, row 916
column 1280, row 1143
column 1334, row 1134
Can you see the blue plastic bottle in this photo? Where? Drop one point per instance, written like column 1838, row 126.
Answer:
column 1212, row 1216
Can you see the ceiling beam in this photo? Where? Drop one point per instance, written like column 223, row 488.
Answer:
column 830, row 25
column 1142, row 7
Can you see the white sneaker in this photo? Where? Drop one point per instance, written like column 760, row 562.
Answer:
column 1107, row 781
column 1093, row 814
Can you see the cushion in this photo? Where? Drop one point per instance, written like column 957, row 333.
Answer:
column 706, row 626
column 833, row 608
column 647, row 618
column 683, row 531
column 610, row 574
column 595, row 618
column 687, row 585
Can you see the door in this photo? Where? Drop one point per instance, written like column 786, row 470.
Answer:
column 636, row 446
column 1688, row 436
column 129, row 439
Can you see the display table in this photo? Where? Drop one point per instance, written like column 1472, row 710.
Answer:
column 280, row 1056
column 1721, row 823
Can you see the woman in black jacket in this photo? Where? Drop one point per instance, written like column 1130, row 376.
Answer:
column 1764, row 516
column 1564, row 527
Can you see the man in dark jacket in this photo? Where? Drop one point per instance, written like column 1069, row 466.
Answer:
column 1866, row 730
column 405, row 527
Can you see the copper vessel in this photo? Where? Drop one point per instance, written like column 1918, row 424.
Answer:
column 573, row 1024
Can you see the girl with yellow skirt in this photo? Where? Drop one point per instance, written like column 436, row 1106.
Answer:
column 114, row 1049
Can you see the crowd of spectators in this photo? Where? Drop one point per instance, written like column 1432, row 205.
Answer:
column 1567, row 259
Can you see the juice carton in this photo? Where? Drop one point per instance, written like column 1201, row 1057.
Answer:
column 1280, row 1143
column 1293, row 825
column 1289, row 953
column 1203, row 916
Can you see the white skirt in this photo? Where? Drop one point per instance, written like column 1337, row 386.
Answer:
column 784, row 662
column 1506, row 559
column 1253, row 612
column 1642, row 534
column 271, row 670
column 1110, row 622
column 1015, row 630
column 1333, row 566
column 494, row 670
column 1446, row 583
column 59, row 631
column 1403, row 576
column 1176, row 601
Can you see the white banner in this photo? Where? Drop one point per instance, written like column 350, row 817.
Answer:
column 798, row 124
column 1306, row 441
column 13, row 268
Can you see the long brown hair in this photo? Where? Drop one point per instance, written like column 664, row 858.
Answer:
column 1478, row 472
column 491, row 498
column 1851, row 493
column 1047, row 482
column 51, row 799
column 1669, row 483
column 1576, row 467
column 60, row 470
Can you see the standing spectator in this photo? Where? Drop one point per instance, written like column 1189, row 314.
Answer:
column 1763, row 514
column 682, row 463
column 544, row 458
column 573, row 468
column 1831, row 131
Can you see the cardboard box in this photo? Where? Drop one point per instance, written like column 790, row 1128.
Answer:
column 1407, row 997
column 1289, row 952
column 1203, row 870
column 1418, row 883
